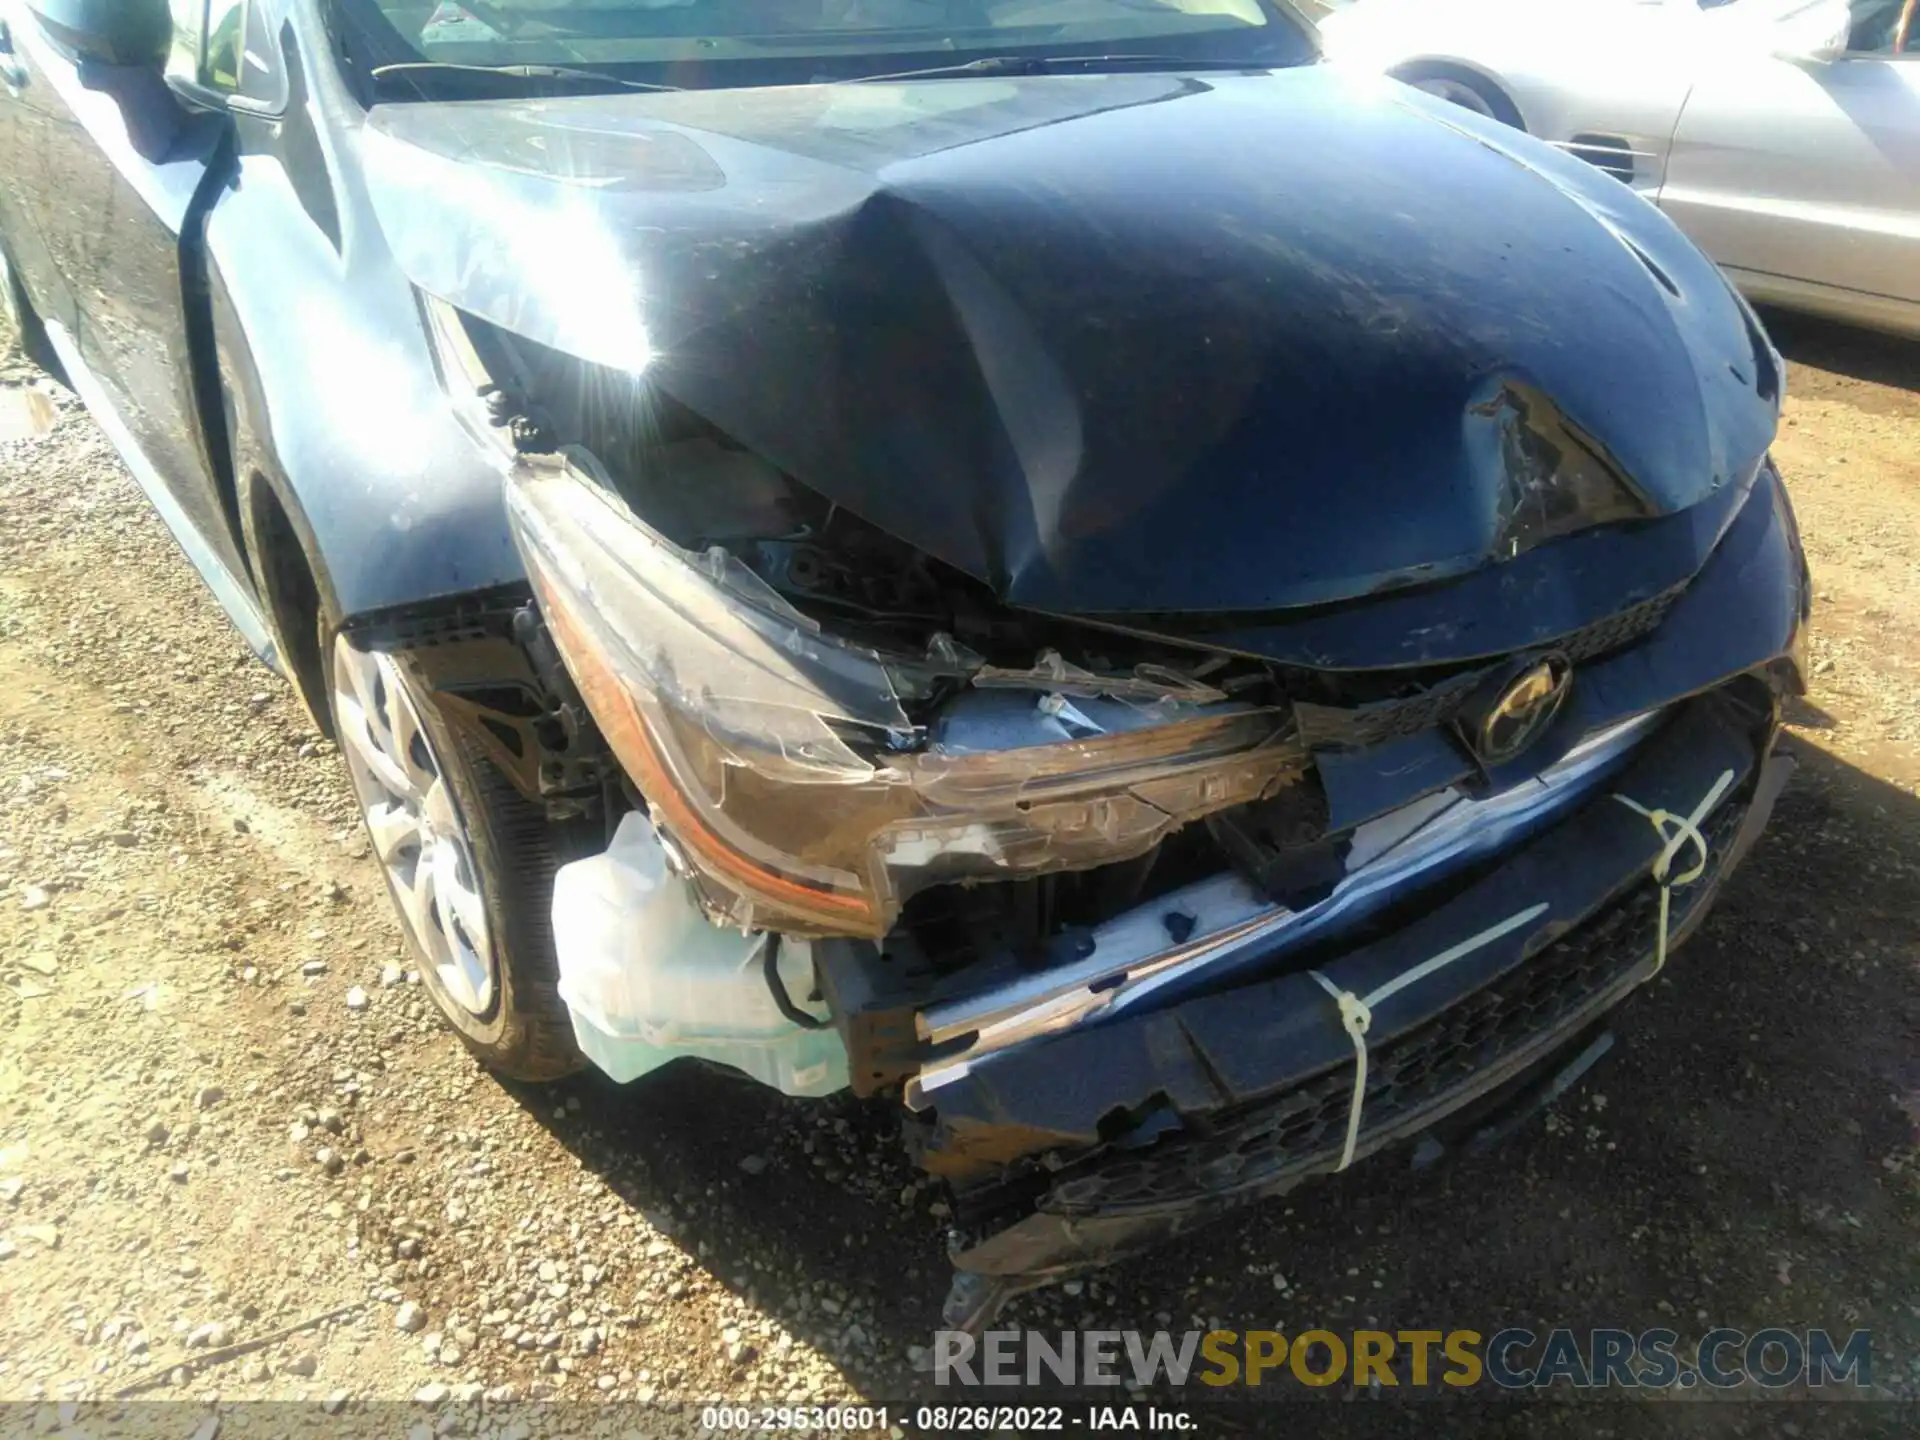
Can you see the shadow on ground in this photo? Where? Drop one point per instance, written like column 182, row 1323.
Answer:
column 1749, row 1155
column 1845, row 349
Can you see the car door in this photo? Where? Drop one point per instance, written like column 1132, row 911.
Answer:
column 24, row 124
column 1807, row 171
column 110, row 170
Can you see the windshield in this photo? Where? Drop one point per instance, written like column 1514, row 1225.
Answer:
column 699, row 44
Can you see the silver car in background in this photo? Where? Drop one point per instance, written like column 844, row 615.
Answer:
column 1782, row 135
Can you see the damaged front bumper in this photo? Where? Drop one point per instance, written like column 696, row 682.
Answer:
column 1129, row 961
column 1078, row 1149
column 1143, row 1073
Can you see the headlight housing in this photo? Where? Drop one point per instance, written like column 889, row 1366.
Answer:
column 781, row 761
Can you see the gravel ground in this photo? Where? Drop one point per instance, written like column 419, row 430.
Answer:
column 226, row 1107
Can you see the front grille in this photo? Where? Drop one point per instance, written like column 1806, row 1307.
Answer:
column 1328, row 727
column 1622, row 627
column 1331, row 727
column 1441, row 1059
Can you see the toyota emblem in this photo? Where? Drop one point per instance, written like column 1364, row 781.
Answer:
column 1521, row 710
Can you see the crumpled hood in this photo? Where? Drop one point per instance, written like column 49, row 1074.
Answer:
column 1110, row 343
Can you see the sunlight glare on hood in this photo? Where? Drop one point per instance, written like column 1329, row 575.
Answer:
column 532, row 254
column 574, row 271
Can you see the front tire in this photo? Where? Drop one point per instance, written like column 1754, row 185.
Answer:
column 468, row 860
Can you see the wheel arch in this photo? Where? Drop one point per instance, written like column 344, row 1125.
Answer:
column 1453, row 67
column 290, row 578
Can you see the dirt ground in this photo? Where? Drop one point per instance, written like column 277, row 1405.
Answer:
column 226, row 1109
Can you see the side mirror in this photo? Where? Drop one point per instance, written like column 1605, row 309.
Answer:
column 112, row 32
column 1815, row 32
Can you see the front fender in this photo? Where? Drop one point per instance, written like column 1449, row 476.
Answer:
column 337, row 407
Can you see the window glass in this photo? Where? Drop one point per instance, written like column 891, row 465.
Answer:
column 263, row 71
column 208, row 41
column 226, row 36
column 1875, row 27
column 189, row 25
column 718, row 43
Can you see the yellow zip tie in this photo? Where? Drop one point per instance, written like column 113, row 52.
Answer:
column 1356, row 1012
column 1355, row 1016
column 1685, row 829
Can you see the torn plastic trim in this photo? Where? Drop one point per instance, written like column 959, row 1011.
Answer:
column 496, row 677
column 1057, row 675
column 1233, row 922
column 781, row 762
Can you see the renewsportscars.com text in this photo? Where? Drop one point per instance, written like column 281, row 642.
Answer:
column 1513, row 1358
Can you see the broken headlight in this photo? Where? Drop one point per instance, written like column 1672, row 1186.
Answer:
column 784, row 765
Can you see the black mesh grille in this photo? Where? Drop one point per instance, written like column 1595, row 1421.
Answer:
column 1325, row 725
column 1620, row 628
column 1329, row 726
column 1305, row 1128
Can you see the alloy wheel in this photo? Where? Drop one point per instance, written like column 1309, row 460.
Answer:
column 415, row 826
